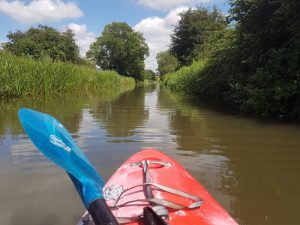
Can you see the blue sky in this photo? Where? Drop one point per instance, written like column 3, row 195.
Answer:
column 87, row 18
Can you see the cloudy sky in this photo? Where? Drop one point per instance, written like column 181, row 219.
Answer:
column 87, row 18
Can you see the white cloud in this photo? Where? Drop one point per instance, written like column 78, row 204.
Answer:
column 169, row 4
column 82, row 36
column 39, row 10
column 1, row 42
column 157, row 32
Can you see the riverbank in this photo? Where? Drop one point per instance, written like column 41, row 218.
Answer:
column 211, row 80
column 252, row 59
column 21, row 76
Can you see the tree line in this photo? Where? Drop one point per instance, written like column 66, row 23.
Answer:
column 118, row 48
column 43, row 42
column 248, row 60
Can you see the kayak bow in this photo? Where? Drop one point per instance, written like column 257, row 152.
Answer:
column 149, row 186
column 178, row 197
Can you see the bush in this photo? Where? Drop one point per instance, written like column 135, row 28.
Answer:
column 184, row 80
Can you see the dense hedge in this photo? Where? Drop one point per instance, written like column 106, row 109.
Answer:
column 255, row 66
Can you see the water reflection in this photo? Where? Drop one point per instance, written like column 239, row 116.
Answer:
column 121, row 117
column 14, row 144
column 67, row 108
column 251, row 168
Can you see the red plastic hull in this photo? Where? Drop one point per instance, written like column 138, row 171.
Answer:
column 175, row 176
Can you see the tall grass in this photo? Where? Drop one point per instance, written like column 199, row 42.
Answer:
column 186, row 78
column 25, row 76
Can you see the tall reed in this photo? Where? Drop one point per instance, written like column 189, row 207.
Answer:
column 25, row 76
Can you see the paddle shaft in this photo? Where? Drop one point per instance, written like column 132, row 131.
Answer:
column 101, row 213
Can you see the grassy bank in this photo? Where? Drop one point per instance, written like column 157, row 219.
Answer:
column 24, row 76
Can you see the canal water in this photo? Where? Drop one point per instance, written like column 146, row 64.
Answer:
column 251, row 167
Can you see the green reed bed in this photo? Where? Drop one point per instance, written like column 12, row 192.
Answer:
column 185, row 79
column 25, row 76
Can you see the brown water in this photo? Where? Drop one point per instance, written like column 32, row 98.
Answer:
column 252, row 168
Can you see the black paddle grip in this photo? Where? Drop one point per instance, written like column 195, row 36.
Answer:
column 101, row 213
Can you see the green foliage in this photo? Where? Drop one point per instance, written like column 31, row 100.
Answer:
column 167, row 63
column 217, row 42
column 43, row 42
column 25, row 76
column 120, row 48
column 259, row 72
column 148, row 75
column 193, row 30
column 86, row 62
column 185, row 79
column 256, row 67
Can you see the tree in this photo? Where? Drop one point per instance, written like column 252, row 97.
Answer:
column 148, row 75
column 42, row 42
column 268, row 45
column 259, row 70
column 120, row 48
column 167, row 63
column 193, row 30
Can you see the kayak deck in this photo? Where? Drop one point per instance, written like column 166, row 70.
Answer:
column 126, row 188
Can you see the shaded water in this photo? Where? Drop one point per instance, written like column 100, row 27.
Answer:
column 252, row 168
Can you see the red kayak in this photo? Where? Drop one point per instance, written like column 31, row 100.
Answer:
column 150, row 178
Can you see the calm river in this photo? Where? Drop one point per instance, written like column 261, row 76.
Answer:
column 252, row 168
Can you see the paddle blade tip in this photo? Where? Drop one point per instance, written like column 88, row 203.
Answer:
column 24, row 113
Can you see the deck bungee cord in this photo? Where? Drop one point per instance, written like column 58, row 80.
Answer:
column 157, row 207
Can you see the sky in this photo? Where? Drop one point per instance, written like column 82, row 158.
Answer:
column 87, row 18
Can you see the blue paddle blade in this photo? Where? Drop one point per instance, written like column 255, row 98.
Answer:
column 55, row 142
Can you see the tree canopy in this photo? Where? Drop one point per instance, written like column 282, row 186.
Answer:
column 167, row 63
column 120, row 48
column 43, row 42
column 193, row 30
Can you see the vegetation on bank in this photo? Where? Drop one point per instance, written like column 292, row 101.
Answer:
column 252, row 65
column 26, row 76
column 185, row 79
column 193, row 31
column 44, row 42
column 166, row 63
column 120, row 48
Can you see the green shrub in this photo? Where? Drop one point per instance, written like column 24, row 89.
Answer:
column 184, row 80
